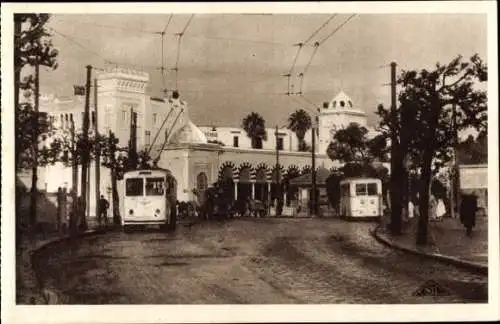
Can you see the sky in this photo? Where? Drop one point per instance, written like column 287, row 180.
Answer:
column 232, row 64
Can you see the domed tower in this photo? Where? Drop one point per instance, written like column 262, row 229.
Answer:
column 336, row 114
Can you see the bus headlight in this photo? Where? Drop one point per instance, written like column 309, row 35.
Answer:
column 131, row 212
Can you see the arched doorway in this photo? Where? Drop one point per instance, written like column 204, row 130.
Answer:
column 244, row 184
column 261, row 190
column 291, row 192
column 201, row 187
column 226, row 180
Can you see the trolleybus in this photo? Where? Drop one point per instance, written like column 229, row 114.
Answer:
column 150, row 199
column 361, row 198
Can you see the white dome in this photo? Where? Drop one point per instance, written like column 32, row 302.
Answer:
column 189, row 133
column 341, row 101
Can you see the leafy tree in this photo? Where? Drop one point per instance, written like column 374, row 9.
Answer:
column 424, row 121
column 300, row 122
column 473, row 151
column 32, row 49
column 255, row 127
column 352, row 144
column 117, row 160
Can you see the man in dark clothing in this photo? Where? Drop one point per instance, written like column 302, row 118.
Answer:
column 103, row 210
column 468, row 209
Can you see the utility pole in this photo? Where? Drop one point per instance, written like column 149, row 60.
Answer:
column 278, row 176
column 86, row 149
column 97, row 155
column 34, row 143
column 74, row 182
column 396, row 161
column 133, row 139
column 313, row 166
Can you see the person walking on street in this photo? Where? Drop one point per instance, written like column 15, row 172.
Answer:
column 440, row 209
column 103, row 210
column 468, row 209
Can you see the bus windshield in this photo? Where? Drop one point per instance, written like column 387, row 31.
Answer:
column 134, row 187
column 366, row 189
column 155, row 186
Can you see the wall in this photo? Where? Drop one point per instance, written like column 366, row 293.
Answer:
column 176, row 160
column 226, row 134
column 474, row 179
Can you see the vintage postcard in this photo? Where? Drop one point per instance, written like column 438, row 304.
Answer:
column 249, row 162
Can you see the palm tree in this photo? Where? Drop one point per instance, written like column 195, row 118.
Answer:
column 299, row 122
column 255, row 127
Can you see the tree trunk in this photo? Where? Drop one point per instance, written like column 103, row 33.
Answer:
column 33, row 197
column 397, row 192
column 34, row 171
column 116, row 200
column 423, row 221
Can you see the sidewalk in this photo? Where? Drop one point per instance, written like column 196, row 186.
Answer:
column 446, row 241
column 27, row 288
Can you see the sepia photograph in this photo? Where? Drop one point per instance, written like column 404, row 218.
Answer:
column 202, row 155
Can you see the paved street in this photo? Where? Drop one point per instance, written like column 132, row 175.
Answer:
column 248, row 261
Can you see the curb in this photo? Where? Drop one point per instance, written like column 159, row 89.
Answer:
column 475, row 267
column 50, row 297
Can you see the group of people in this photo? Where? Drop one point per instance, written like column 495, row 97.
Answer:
column 65, row 210
column 437, row 210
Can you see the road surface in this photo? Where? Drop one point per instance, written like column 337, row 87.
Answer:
column 254, row 261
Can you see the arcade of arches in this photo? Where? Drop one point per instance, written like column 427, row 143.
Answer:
column 259, row 183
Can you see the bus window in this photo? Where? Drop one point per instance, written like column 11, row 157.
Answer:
column 134, row 187
column 155, row 186
column 372, row 189
column 360, row 189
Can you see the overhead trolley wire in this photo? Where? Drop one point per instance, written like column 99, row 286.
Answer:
column 319, row 29
column 336, row 29
column 300, row 45
column 163, row 50
column 179, row 40
column 72, row 40
column 317, row 44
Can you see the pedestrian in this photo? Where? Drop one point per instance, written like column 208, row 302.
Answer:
column 440, row 209
column 411, row 209
column 468, row 209
column 103, row 210
column 70, row 211
column 432, row 207
column 80, row 212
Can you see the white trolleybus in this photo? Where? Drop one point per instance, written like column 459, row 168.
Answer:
column 361, row 199
column 150, row 199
